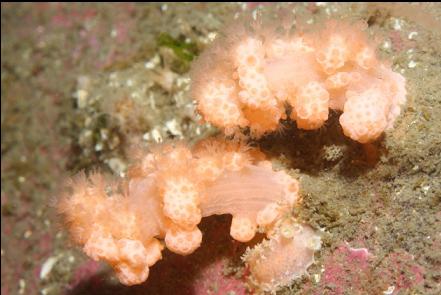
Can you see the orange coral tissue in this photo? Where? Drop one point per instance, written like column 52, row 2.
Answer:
column 252, row 71
column 164, row 197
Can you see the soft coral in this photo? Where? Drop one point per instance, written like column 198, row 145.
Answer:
column 267, row 67
column 167, row 192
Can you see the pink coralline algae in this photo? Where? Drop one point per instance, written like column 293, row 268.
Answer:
column 347, row 269
column 355, row 270
column 401, row 271
column 255, row 70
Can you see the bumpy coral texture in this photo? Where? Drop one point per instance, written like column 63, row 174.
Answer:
column 164, row 197
column 253, row 71
column 270, row 260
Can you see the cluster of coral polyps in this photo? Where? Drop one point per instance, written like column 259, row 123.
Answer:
column 253, row 71
column 164, row 197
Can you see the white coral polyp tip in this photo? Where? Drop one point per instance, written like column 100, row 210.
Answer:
column 132, row 267
column 365, row 115
column 242, row 229
column 181, row 202
column 131, row 276
column 183, row 242
column 100, row 246
column 312, row 106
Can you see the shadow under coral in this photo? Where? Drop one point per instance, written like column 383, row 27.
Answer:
column 199, row 273
column 306, row 149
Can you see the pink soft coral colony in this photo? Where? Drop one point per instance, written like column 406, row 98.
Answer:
column 164, row 198
column 247, row 78
column 253, row 72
